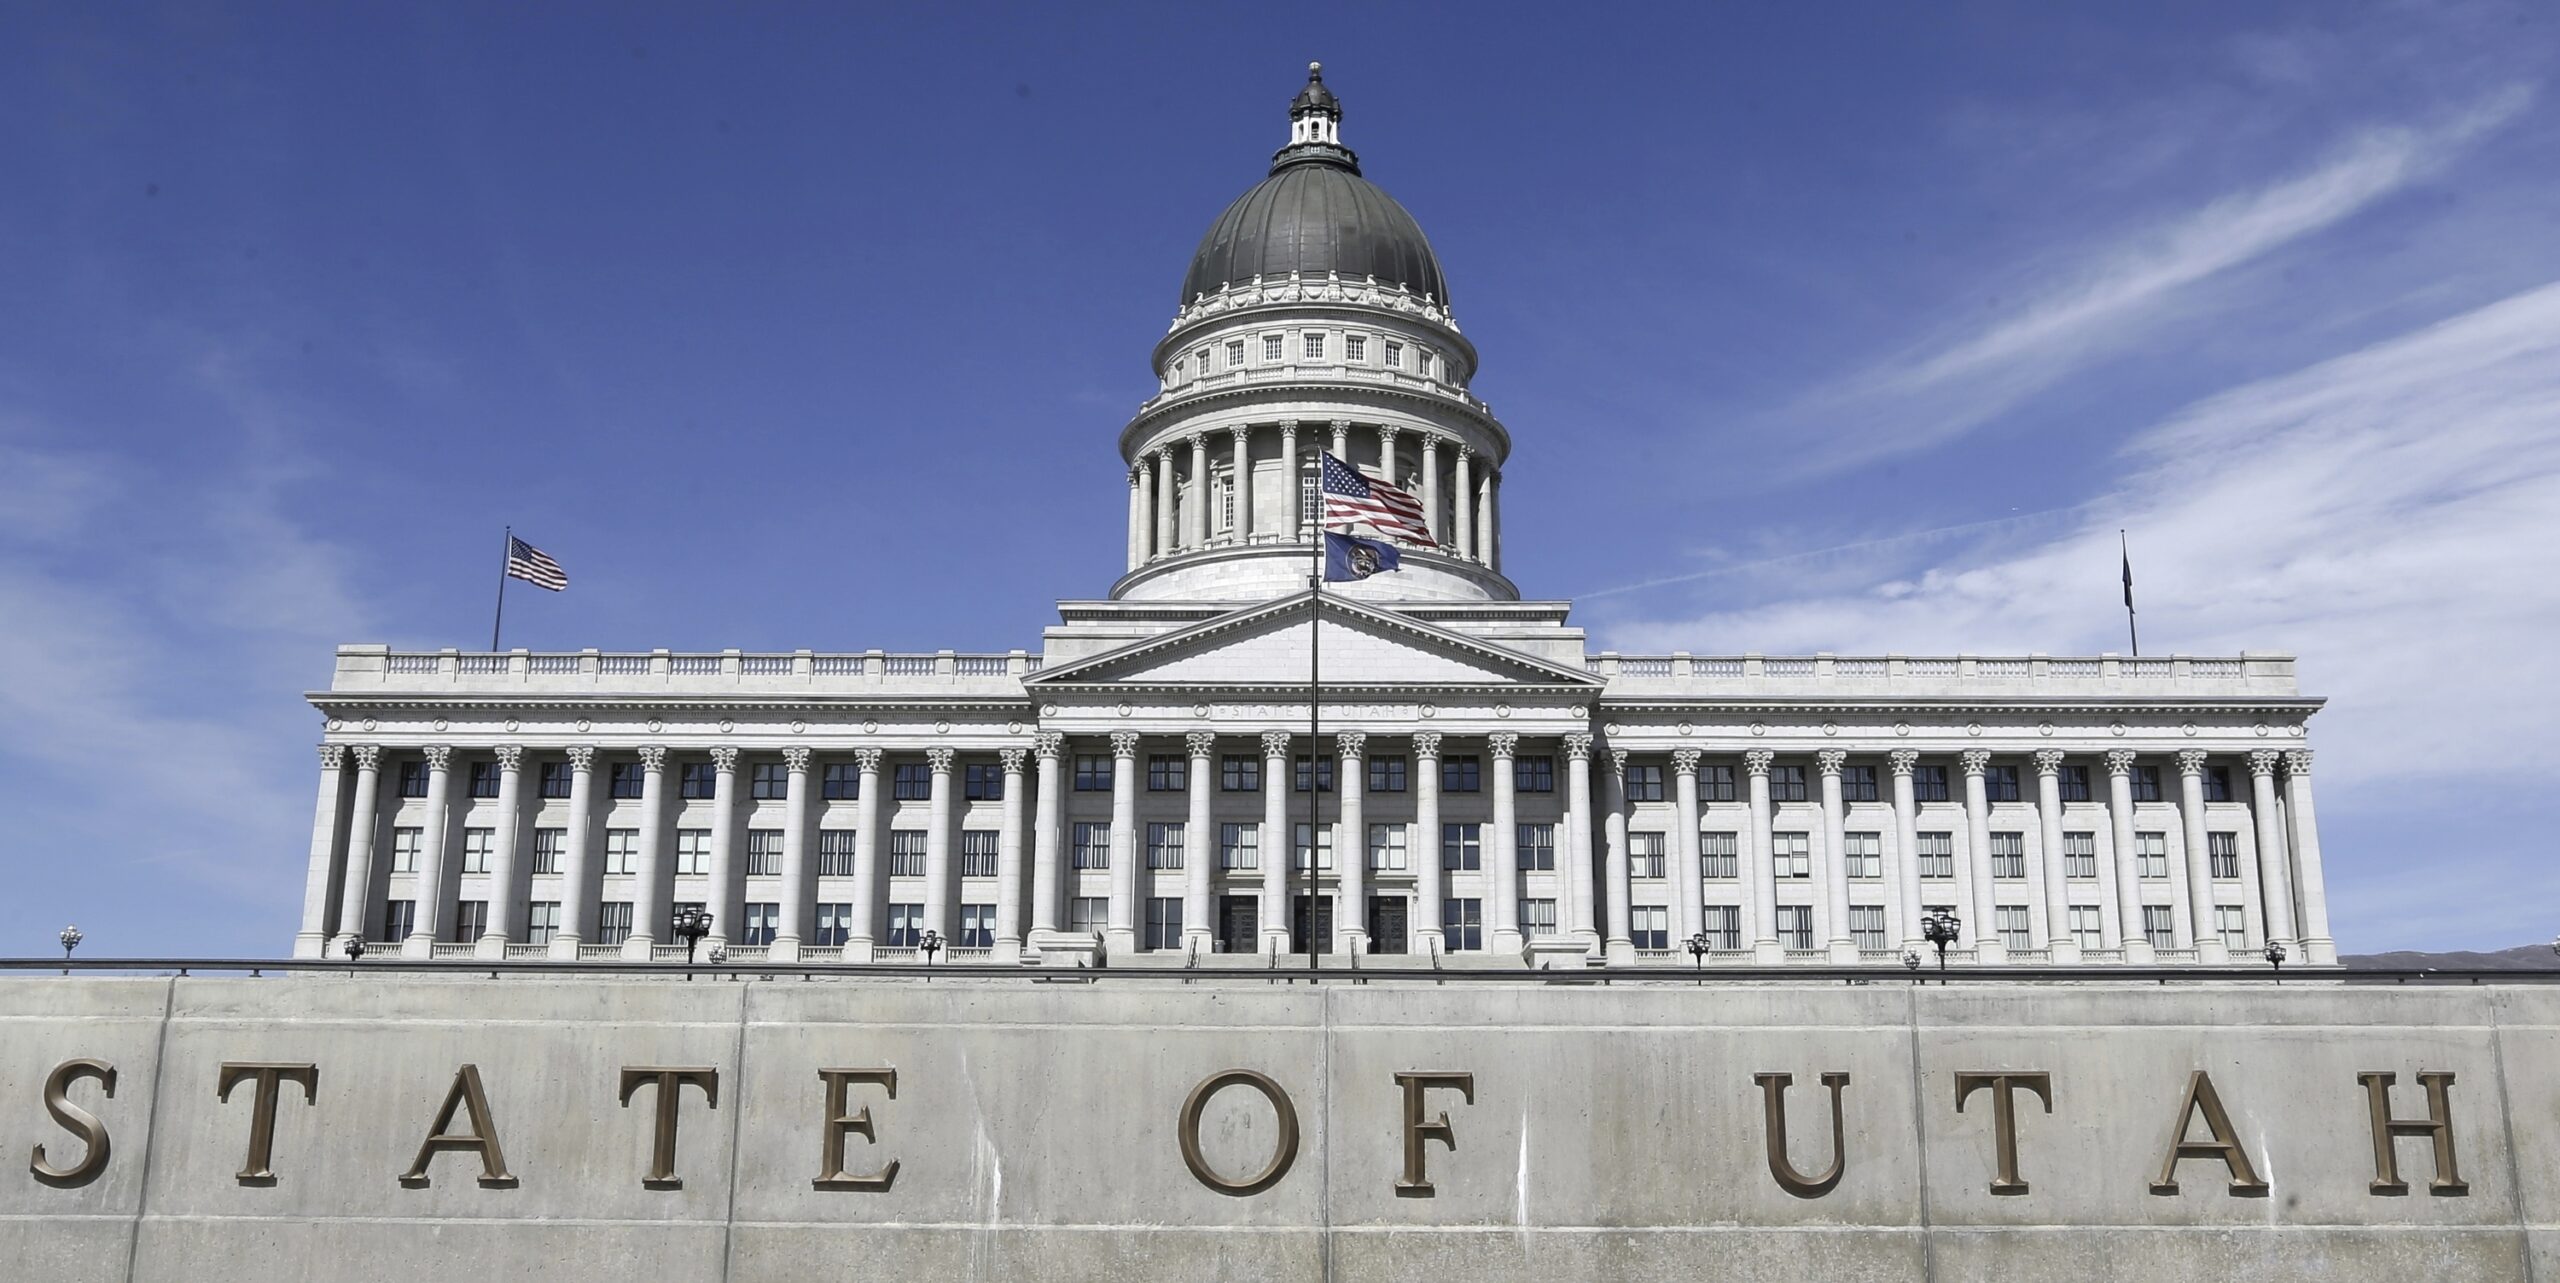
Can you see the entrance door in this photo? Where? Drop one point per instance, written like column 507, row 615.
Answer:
column 1239, row 923
column 1386, row 924
column 1298, row 925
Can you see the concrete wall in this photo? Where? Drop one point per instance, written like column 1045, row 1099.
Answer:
column 1615, row 1132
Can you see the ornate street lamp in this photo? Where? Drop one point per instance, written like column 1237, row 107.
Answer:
column 931, row 944
column 355, row 948
column 1941, row 929
column 1698, row 946
column 691, row 924
column 2275, row 956
column 1911, row 960
column 70, row 939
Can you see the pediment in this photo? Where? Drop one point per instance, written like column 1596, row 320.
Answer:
column 1354, row 643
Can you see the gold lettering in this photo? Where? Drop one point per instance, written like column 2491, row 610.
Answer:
column 1283, row 1153
column 481, row 1139
column 1773, row 1094
column 2436, row 1126
column 77, row 1121
column 1417, row 1182
column 2225, row 1144
column 832, row 1174
column 670, row 1083
column 2004, row 1116
column 268, row 1078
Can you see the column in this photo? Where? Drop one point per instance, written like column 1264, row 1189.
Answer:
column 1195, row 514
column 728, row 887
column 1501, row 847
column 1279, row 845
column 1493, row 521
column 320, row 880
column 1688, row 890
column 1988, row 947
column 428, row 926
column 2318, row 949
column 1048, row 837
column 867, row 818
column 1387, row 454
column 1351, row 843
column 1009, row 859
column 1167, row 504
column 355, row 902
column 1484, row 517
column 1342, row 440
column 651, row 907
column 577, row 854
column 937, row 844
column 505, row 863
column 2199, row 862
column 1620, row 945
column 1288, row 524
column 1431, row 489
column 798, row 883
column 2137, row 937
column 1199, row 842
column 1425, row 846
column 1243, row 451
column 1121, row 933
column 2275, row 883
column 1906, row 847
column 1137, row 517
column 1579, row 918
column 1462, row 505
column 1759, row 876
column 2057, row 887
column 1833, row 867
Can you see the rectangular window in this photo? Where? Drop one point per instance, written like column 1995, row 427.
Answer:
column 470, row 921
column 1644, row 783
column 1795, row 926
column 2008, row 855
column 2158, row 927
column 1534, row 774
column 405, row 844
column 1164, row 846
column 622, row 850
column 906, row 926
column 2000, row 784
column 2013, row 926
column 2075, row 784
column 1537, row 918
column 1650, row 926
column 1786, row 784
column 1422, row 361
column 768, row 782
column 1322, row 770
column 2146, row 784
column 1164, row 922
column 1395, row 355
column 1386, row 775
column 2217, row 784
column 1461, row 775
column 1645, row 855
column 978, row 858
column 1235, row 354
column 1791, row 855
column 1087, row 914
column 978, row 921
column 1387, row 848
column 625, row 781
column 1204, row 362
column 1719, row 855
column 548, row 846
column 1166, row 773
column 1928, row 784
column 1323, row 837
column 1093, row 845
column 1937, row 855
column 1537, row 845
column 1355, row 347
column 556, row 778
column 840, row 782
column 1723, row 926
column 1093, row 773
column 1240, row 773
column 693, row 851
column 613, row 922
column 1240, row 846
column 1311, row 346
column 2088, row 929
column 484, row 782
column 764, row 853
column 2080, row 855
column 2224, row 850
column 1271, row 347
column 413, row 779
column 1462, row 923
column 1310, row 505
column 1857, row 784
column 835, row 925
column 2231, row 922
column 541, row 921
column 1462, row 846
column 476, row 845
column 696, row 780
column 764, row 921
column 1862, row 854
column 982, row 782
column 1715, row 784
column 835, row 853
column 399, row 918
column 1866, row 926
column 2151, row 854
column 913, row 782
column 906, row 853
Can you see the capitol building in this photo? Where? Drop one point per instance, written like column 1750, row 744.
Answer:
column 1483, row 789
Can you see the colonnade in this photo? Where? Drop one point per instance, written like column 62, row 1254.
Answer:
column 1170, row 488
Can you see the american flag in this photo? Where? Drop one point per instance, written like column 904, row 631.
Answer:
column 534, row 566
column 1350, row 498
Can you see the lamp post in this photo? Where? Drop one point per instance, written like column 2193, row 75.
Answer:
column 692, row 922
column 1698, row 946
column 2275, row 957
column 931, row 944
column 355, row 948
column 1941, row 929
column 1911, row 960
column 70, row 939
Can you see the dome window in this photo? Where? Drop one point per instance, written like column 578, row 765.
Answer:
column 1395, row 355
column 1204, row 363
column 1270, row 347
column 1235, row 354
column 1355, row 348
column 1315, row 347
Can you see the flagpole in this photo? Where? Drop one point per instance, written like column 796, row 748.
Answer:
column 2132, row 633
column 505, row 547
column 1315, row 752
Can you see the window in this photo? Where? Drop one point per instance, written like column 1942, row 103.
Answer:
column 2230, row 921
column 982, row 782
column 1395, row 355
column 1929, row 784
column 1795, row 926
column 1461, row 775
column 1866, row 926
column 696, row 780
column 1857, row 784
column 2157, row 926
column 405, row 843
column 840, row 782
column 1240, row 846
column 627, row 781
column 764, row 921
column 556, row 778
column 768, row 782
column 1462, row 923
column 1786, row 784
column 835, row 853
column 1791, row 855
column 476, row 844
column 1386, row 775
column 1644, row 783
column 613, row 922
column 1093, row 773
column 1323, row 848
column 978, row 857
column 2217, row 784
column 1650, row 926
column 413, row 779
column 1537, row 918
column 1311, row 346
column 906, row 853
column 1093, row 846
column 2075, row 784
column 2223, row 848
column 2013, row 926
column 1204, row 362
column 1240, row 773
column 1937, row 855
column 2151, row 854
column 1310, row 505
column 548, row 844
column 470, row 921
column 1715, row 784
column 1644, row 855
column 541, row 921
column 1862, row 854
column 764, row 853
column 1087, row 914
column 2146, row 784
column 1235, row 354
column 2000, row 784
column 1422, row 361
column 914, row 782
column 1355, row 347
column 1166, row 773
column 399, row 918
column 1719, row 855
column 1323, row 770
column 1387, row 848
column 693, row 851
column 2080, row 855
column 1723, row 926
column 2087, row 926
column 1537, row 843
column 484, row 782
column 2008, row 855
column 621, row 850
column 978, row 921
column 1164, row 846
column 1534, row 774
column 1462, row 846
column 1270, row 347
column 1164, row 922
column 906, row 926
column 1181, row 370
column 835, row 926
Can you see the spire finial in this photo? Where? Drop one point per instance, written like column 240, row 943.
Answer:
column 1315, row 71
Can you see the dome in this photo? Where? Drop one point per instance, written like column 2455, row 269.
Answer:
column 1315, row 214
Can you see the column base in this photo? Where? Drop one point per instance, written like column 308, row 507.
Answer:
column 783, row 949
column 1991, row 953
column 1844, row 953
column 1199, row 945
column 1066, row 948
column 858, row 949
column 1545, row 951
column 310, row 944
column 565, row 948
column 2066, row 953
column 1350, row 940
column 2139, row 953
column 491, row 947
column 1275, row 941
column 418, row 946
column 2213, row 952
column 1768, row 953
column 1008, row 951
column 1118, row 942
column 1505, row 941
column 1620, row 951
column 638, row 949
column 2319, row 951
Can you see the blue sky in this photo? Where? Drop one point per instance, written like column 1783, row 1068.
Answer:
column 1841, row 327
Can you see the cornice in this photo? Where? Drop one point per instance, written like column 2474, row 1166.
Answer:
column 1151, row 417
column 2279, row 704
column 327, row 700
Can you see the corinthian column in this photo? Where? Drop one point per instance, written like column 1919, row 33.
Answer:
column 2137, row 937
column 2318, row 949
column 1906, row 847
column 1199, row 842
column 1619, row 946
column 2275, row 886
column 1009, row 860
column 1501, row 849
column 1195, row 524
column 1137, row 517
column 355, row 903
column 1278, row 846
column 1577, row 846
column 728, row 887
column 1833, row 867
column 1048, row 860
column 1242, row 527
column 2210, row 947
column 504, row 863
column 1342, row 440
column 1425, row 846
column 1463, row 505
column 1351, row 842
column 1988, row 946
column 320, row 878
column 2057, row 889
column 1120, row 935
column 1167, row 504
column 577, row 853
column 797, row 883
column 1759, row 876
column 937, row 844
column 1288, row 503
column 652, row 901
column 1431, row 519
column 867, row 817
column 428, row 924
column 1687, row 872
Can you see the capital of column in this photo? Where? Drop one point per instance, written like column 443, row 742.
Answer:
column 724, row 760
column 1124, row 745
column 2191, row 761
column 334, row 756
column 939, row 760
column 1618, row 762
column 2297, row 762
column 866, row 760
column 653, row 758
column 1685, row 760
column 1137, row 478
column 1050, row 745
column 1502, row 745
column 1465, row 451
column 582, row 758
column 510, row 758
column 796, row 760
column 2262, row 763
column 2048, row 761
column 1012, row 759
column 2120, row 761
column 1903, row 762
column 1756, row 762
column 1577, row 746
column 1426, row 746
column 1340, row 425
column 368, row 756
column 1200, row 744
column 439, row 756
column 1349, row 745
column 1275, row 743
column 1830, row 760
column 1976, row 761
